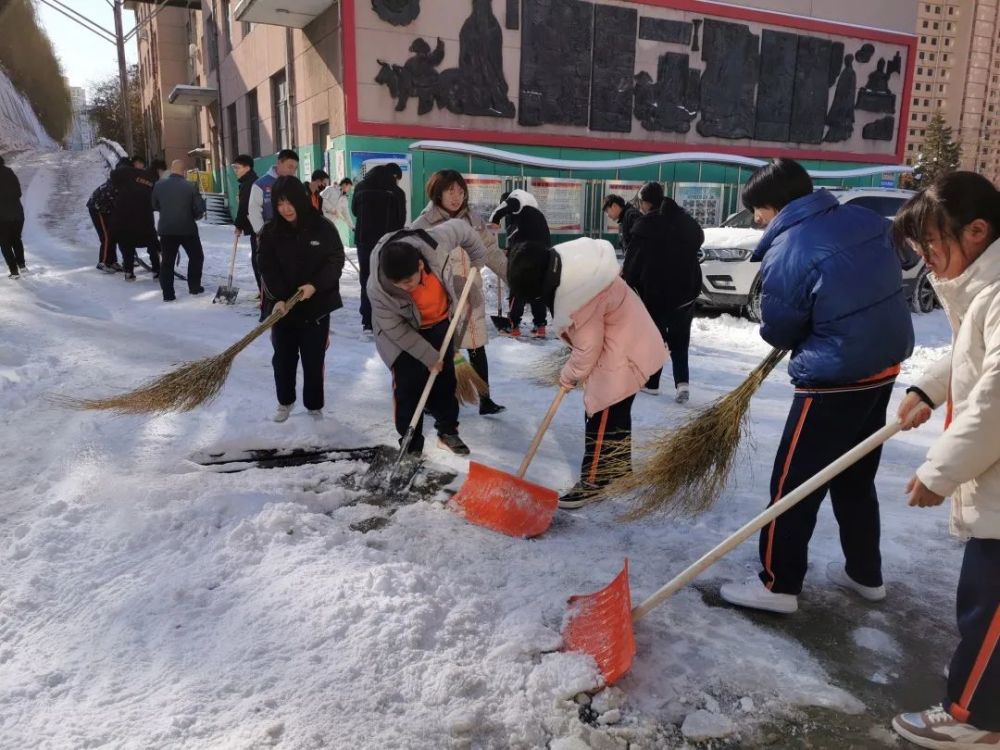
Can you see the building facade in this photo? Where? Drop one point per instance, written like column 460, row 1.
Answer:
column 551, row 86
column 81, row 131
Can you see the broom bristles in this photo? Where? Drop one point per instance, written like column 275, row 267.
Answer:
column 469, row 386
column 684, row 471
column 546, row 370
column 182, row 389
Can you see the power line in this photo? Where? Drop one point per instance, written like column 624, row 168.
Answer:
column 80, row 20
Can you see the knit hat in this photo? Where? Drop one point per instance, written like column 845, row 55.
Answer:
column 652, row 193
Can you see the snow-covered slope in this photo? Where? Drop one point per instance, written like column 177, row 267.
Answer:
column 19, row 127
column 147, row 602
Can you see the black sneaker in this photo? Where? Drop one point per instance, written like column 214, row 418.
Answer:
column 114, row 268
column 169, row 299
column 130, row 277
column 488, row 406
column 454, row 444
column 22, row 267
column 581, row 494
column 14, row 276
column 102, row 267
column 198, row 290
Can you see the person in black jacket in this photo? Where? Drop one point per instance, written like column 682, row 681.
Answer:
column 299, row 250
column 132, row 218
column 246, row 177
column 101, row 205
column 662, row 266
column 524, row 222
column 11, row 221
column 379, row 207
column 624, row 215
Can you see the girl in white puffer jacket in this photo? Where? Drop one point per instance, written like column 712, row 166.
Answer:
column 955, row 225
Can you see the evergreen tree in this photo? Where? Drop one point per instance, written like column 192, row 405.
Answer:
column 939, row 155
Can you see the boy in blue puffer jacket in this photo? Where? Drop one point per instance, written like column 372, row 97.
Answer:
column 832, row 294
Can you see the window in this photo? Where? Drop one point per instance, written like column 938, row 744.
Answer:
column 211, row 42
column 253, row 122
column 916, row 87
column 227, row 26
column 926, row 24
column 279, row 99
column 233, row 132
column 321, row 130
column 882, row 205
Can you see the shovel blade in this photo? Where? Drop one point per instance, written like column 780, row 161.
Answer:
column 226, row 294
column 600, row 624
column 506, row 503
column 501, row 323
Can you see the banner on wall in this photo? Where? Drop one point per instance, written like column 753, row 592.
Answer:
column 562, row 201
column 627, row 189
column 362, row 162
column 484, row 192
column 703, row 200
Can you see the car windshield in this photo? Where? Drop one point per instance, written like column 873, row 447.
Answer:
column 740, row 220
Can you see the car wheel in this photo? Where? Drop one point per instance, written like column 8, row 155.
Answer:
column 753, row 303
column 924, row 300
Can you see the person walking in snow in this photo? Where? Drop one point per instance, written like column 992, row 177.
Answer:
column 11, row 220
column 615, row 345
column 299, row 251
column 624, row 215
column 379, row 205
column 848, row 332
column 449, row 199
column 955, row 226
column 132, row 218
column 413, row 293
column 523, row 222
column 246, row 177
column 662, row 266
column 337, row 205
column 101, row 205
column 180, row 205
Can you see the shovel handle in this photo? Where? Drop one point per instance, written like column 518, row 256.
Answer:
column 546, row 421
column 794, row 497
column 463, row 298
column 232, row 260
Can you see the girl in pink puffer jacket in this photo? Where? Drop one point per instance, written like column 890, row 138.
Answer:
column 616, row 345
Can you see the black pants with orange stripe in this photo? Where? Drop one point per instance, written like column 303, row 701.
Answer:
column 608, row 444
column 974, row 676
column 108, row 252
column 409, row 376
column 821, row 427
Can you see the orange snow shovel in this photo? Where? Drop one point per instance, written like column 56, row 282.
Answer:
column 600, row 624
column 506, row 502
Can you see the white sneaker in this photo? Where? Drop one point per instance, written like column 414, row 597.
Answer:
column 651, row 391
column 683, row 393
column 754, row 595
column 282, row 412
column 837, row 575
column 316, row 413
column 935, row 728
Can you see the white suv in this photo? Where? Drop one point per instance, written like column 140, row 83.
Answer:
column 730, row 280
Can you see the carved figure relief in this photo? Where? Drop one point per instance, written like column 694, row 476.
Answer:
column 670, row 103
column 611, row 91
column 840, row 118
column 397, row 12
column 864, row 55
column 876, row 96
column 883, row 129
column 729, row 83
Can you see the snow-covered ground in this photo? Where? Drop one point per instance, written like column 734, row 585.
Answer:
column 147, row 602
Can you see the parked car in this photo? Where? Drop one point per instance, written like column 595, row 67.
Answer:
column 730, row 280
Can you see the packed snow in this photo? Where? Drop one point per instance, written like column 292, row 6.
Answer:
column 150, row 602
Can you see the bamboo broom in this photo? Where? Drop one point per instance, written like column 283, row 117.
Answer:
column 186, row 387
column 685, row 470
column 546, row 370
column 469, row 386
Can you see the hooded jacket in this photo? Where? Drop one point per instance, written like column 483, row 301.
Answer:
column 259, row 209
column 242, row 220
column 132, row 217
column 626, row 223
column 616, row 345
column 10, row 195
column 474, row 331
column 308, row 253
column 832, row 292
column 522, row 218
column 662, row 261
column 379, row 207
column 964, row 463
column 395, row 318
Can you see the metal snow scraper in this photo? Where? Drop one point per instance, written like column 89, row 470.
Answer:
column 600, row 624
column 228, row 292
column 506, row 502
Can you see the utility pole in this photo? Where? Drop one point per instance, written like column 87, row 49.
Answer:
column 123, row 75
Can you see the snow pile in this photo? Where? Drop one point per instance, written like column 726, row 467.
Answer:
column 148, row 601
column 19, row 126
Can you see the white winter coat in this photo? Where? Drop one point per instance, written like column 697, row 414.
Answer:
column 964, row 463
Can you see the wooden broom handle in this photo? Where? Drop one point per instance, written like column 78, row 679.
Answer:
column 792, row 498
column 275, row 316
column 533, row 448
column 463, row 298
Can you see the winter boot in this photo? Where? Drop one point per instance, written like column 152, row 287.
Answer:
column 937, row 729
column 581, row 494
column 130, row 277
column 683, row 393
column 837, row 575
column 538, row 332
column 14, row 276
column 754, row 595
column 453, row 443
column 488, row 406
column 316, row 414
column 282, row 412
